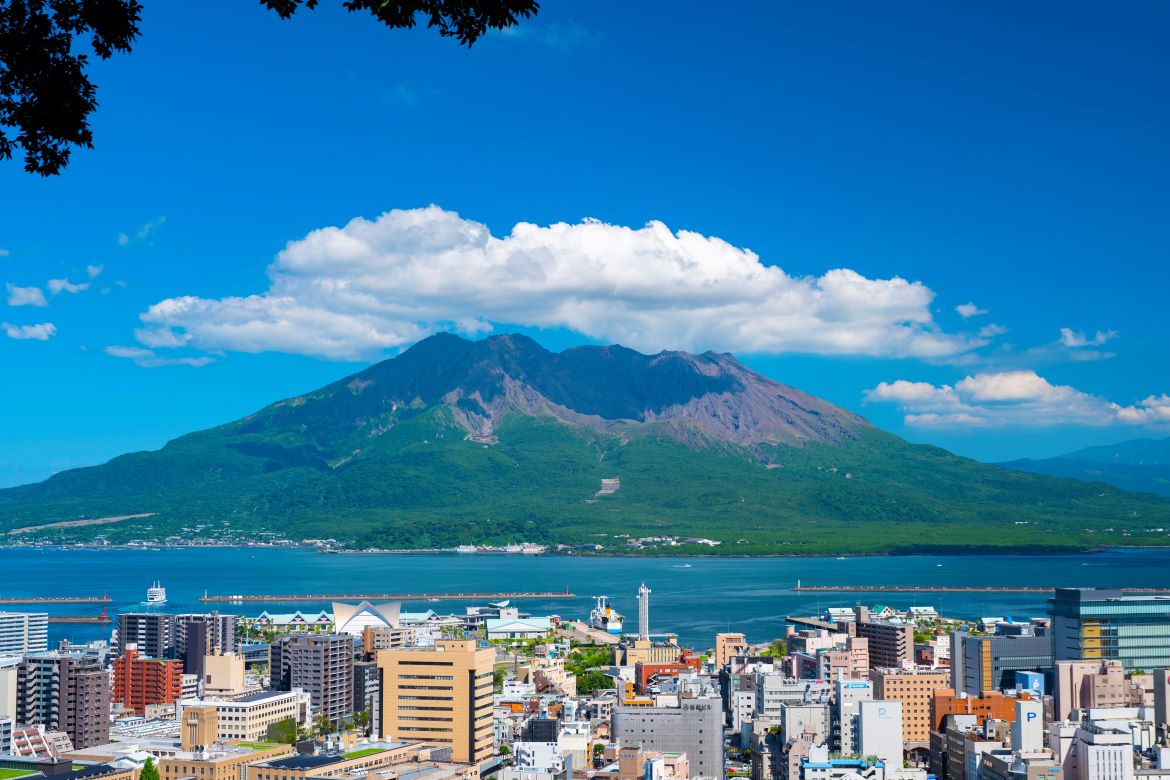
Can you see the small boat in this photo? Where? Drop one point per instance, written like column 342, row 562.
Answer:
column 156, row 595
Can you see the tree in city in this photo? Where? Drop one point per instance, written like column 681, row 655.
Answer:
column 361, row 720
column 322, row 725
column 47, row 97
column 149, row 770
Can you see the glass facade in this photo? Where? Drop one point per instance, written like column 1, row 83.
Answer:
column 1108, row 625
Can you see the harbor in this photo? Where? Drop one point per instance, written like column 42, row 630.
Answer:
column 282, row 598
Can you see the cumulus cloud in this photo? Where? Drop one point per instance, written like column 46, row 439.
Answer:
column 969, row 310
column 25, row 296
column 40, row 332
column 57, row 286
column 353, row 292
column 1077, row 339
column 1011, row 398
column 148, row 358
column 93, row 271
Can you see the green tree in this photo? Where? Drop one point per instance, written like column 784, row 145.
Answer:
column 505, row 750
column 46, row 96
column 149, row 770
column 322, row 726
column 361, row 720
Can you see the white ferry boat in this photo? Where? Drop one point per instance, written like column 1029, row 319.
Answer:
column 604, row 617
column 156, row 595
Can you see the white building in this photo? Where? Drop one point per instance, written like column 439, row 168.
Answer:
column 22, row 633
column 1103, row 754
column 354, row 618
column 1028, row 729
column 847, row 713
column 880, row 732
column 249, row 718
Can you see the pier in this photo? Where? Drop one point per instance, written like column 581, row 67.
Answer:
column 101, row 619
column 287, row 597
column 103, row 599
column 945, row 589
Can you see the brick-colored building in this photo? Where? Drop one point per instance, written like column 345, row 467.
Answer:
column 992, row 705
column 915, row 688
column 139, row 680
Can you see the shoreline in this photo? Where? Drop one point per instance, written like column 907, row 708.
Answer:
column 932, row 551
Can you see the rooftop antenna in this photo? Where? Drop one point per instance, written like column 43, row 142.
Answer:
column 643, row 612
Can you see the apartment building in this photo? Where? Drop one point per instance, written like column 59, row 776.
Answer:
column 140, row 681
column 22, row 633
column 65, row 693
column 321, row 665
column 915, row 689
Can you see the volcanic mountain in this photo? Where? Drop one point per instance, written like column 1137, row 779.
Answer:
column 500, row 440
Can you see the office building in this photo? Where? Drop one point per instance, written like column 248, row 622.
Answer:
column 322, row 666
column 727, row 646
column 1103, row 754
column 1107, row 625
column 989, row 663
column 223, row 675
column 440, row 694
column 880, row 731
column 695, row 728
column 153, row 633
column 914, row 688
column 993, row 705
column 249, row 718
column 141, row 681
column 65, row 693
column 1081, row 685
column 22, row 633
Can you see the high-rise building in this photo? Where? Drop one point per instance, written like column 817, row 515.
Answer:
column 847, row 701
column 1107, row 625
column 727, row 646
column 152, row 632
column 914, row 688
column 321, row 665
column 8, row 669
column 1162, row 698
column 439, row 694
column 198, row 635
column 65, row 693
column 890, row 644
column 141, row 681
column 22, row 633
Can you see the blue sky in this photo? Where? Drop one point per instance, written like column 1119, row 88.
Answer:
column 1003, row 155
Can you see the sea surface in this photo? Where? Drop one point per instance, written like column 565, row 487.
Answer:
column 693, row 597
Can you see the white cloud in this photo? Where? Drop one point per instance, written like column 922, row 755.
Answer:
column 1077, row 339
column 93, row 271
column 57, row 286
column 40, row 332
column 1011, row 398
column 143, row 233
column 969, row 310
column 992, row 330
column 25, row 296
column 353, row 292
column 147, row 358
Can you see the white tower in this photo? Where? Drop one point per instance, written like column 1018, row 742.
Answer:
column 643, row 612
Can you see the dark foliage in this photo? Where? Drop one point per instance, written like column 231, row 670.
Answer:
column 46, row 96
